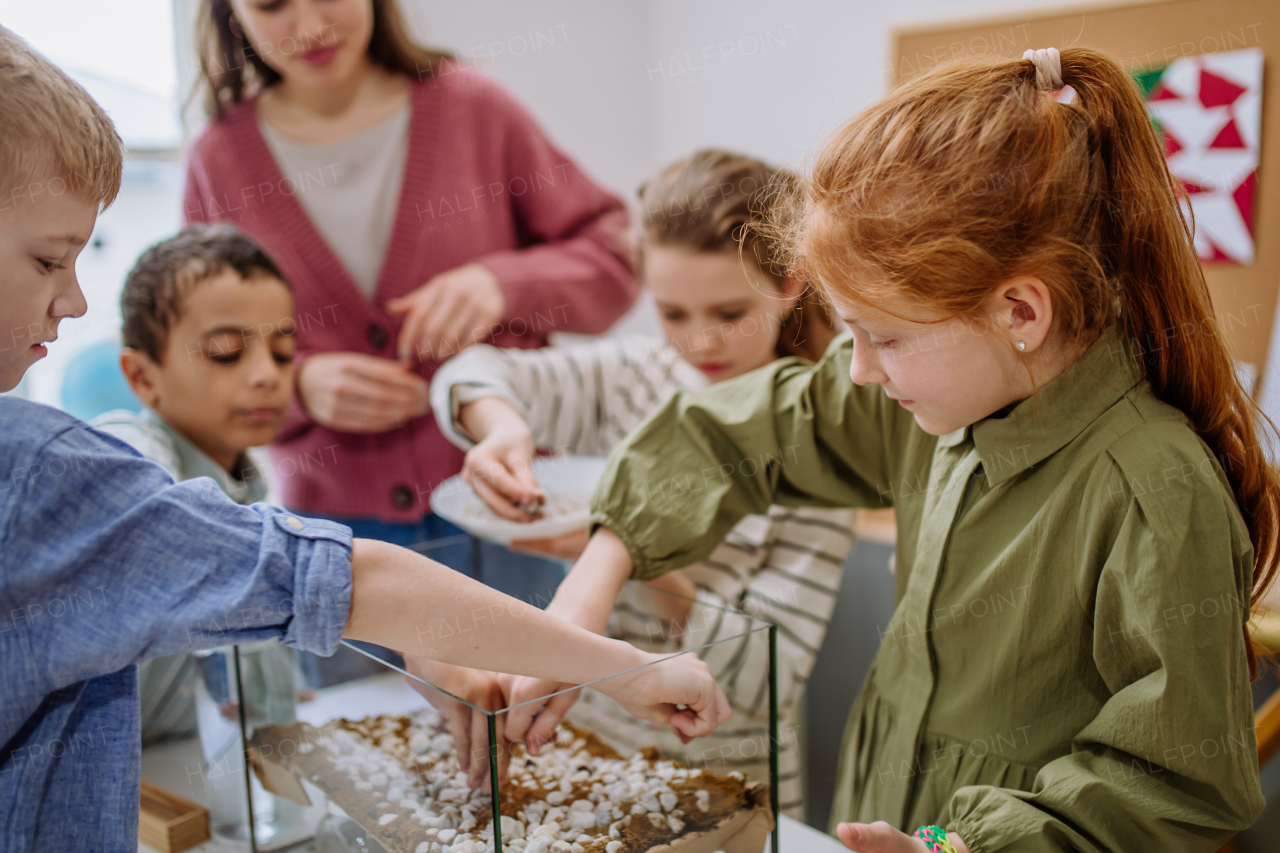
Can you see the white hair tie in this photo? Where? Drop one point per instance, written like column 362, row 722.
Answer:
column 1048, row 67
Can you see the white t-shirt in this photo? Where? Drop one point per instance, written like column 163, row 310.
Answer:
column 350, row 189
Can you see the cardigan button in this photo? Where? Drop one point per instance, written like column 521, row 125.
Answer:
column 401, row 497
column 377, row 335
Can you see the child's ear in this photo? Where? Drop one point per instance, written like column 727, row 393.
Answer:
column 1024, row 306
column 142, row 374
column 792, row 289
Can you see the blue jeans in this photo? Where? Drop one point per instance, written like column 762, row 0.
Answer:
column 523, row 576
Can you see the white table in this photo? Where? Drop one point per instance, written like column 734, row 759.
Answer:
column 176, row 765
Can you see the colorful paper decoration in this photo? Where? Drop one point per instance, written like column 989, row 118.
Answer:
column 1208, row 110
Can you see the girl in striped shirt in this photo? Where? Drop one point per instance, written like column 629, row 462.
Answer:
column 726, row 309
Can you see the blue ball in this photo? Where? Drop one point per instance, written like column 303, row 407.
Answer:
column 94, row 383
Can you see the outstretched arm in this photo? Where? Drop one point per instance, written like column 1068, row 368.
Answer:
column 407, row 602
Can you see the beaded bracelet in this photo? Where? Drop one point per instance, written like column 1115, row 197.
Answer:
column 935, row 839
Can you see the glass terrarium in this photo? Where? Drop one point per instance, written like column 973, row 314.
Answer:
column 609, row 783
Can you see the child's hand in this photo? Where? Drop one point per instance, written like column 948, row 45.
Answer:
column 469, row 727
column 534, row 724
column 679, row 693
column 880, row 837
column 499, row 469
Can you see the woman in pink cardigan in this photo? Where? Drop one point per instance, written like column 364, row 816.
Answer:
column 417, row 209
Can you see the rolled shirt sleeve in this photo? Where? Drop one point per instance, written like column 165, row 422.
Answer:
column 107, row 563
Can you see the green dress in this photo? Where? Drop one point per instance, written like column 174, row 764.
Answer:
column 1065, row 668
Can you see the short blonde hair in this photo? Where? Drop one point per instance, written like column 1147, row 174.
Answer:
column 53, row 136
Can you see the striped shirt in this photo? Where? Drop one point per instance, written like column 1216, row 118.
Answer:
column 784, row 567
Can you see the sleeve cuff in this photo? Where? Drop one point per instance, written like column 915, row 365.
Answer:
column 640, row 568
column 514, row 278
column 969, row 834
column 321, row 582
column 459, row 396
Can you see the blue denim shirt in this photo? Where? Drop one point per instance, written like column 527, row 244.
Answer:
column 104, row 562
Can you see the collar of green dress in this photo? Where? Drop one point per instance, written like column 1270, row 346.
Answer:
column 1043, row 424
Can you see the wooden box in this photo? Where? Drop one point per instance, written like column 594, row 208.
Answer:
column 170, row 823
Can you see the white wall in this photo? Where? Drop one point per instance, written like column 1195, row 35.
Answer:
column 768, row 78
column 574, row 63
column 625, row 86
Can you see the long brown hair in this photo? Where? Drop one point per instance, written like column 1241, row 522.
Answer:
column 719, row 201
column 231, row 70
column 969, row 175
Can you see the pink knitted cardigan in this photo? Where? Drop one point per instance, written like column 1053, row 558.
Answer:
column 482, row 184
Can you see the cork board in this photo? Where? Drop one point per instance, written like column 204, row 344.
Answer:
column 1145, row 35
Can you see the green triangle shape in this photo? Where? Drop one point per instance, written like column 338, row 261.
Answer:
column 1147, row 80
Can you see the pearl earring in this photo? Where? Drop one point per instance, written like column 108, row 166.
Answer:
column 1021, row 345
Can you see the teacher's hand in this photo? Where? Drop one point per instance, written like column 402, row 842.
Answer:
column 449, row 313
column 354, row 392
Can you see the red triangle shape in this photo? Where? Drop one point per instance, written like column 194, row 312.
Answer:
column 1218, row 91
column 1191, row 188
column 1243, row 197
column 1228, row 137
column 1163, row 93
column 1171, row 144
column 1215, row 254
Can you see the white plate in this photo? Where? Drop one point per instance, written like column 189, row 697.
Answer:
column 564, row 477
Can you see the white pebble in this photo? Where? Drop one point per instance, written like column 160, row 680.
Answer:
column 423, row 847
column 511, row 828
column 364, row 786
column 668, row 801
column 387, row 818
column 540, row 844
column 557, row 797
column 446, row 835
column 613, row 847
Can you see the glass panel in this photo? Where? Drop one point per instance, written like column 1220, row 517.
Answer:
column 606, row 782
column 238, row 689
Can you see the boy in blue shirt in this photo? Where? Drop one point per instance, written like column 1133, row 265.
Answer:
column 105, row 562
